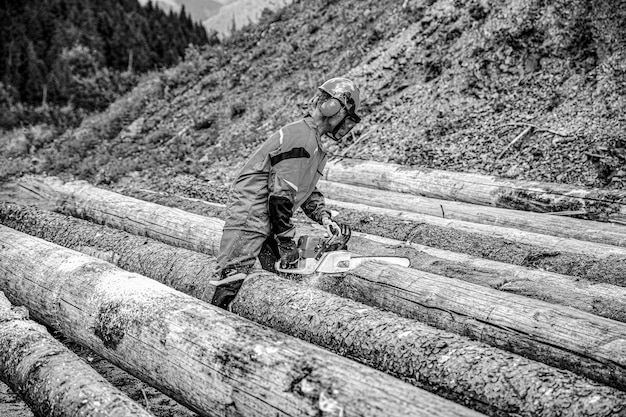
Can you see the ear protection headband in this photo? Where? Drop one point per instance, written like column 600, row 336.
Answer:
column 330, row 107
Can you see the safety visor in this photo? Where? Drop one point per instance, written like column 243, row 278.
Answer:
column 349, row 121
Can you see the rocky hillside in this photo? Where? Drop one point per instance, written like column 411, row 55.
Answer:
column 523, row 89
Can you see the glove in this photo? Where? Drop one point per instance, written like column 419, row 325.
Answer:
column 288, row 251
column 332, row 228
column 339, row 241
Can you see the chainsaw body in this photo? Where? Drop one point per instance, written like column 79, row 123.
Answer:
column 321, row 255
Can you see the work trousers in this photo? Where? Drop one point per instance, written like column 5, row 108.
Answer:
column 239, row 250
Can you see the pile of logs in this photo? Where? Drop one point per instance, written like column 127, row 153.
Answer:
column 454, row 334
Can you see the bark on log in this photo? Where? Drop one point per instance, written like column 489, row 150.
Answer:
column 600, row 205
column 593, row 261
column 188, row 271
column 484, row 378
column 601, row 299
column 503, row 250
column 51, row 379
column 183, row 269
column 82, row 200
column 562, row 226
column 558, row 336
column 481, row 377
column 521, row 333
column 210, row 360
column 568, row 256
column 575, row 246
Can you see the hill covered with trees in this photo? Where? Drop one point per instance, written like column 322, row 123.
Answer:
column 84, row 52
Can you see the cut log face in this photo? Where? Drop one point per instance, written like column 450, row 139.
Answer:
column 50, row 378
column 600, row 205
column 214, row 362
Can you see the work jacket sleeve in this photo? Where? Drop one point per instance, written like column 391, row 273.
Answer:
column 315, row 207
column 285, row 170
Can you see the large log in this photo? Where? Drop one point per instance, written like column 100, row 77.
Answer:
column 51, row 379
column 601, row 205
column 593, row 261
column 477, row 375
column 547, row 242
column 190, row 269
column 559, row 336
column 562, row 226
column 601, row 299
column 172, row 226
column 214, row 362
column 485, row 378
column 411, row 293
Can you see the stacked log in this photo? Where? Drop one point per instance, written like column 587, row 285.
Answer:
column 566, row 256
column 600, row 205
column 522, row 327
column 83, row 200
column 51, row 379
column 588, row 260
column 552, row 225
column 187, row 271
column 210, row 360
column 471, row 373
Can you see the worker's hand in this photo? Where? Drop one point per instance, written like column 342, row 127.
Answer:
column 332, row 228
column 288, row 251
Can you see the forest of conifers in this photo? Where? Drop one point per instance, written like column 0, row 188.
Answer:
column 57, row 51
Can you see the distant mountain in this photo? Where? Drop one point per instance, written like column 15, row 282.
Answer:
column 241, row 12
column 218, row 15
column 198, row 9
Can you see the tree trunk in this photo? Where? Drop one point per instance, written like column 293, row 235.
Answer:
column 482, row 377
column 593, row 261
column 188, row 271
column 49, row 377
column 555, row 335
column 169, row 225
column 562, row 226
column 597, row 250
column 210, row 360
column 601, row 205
column 182, row 269
column 604, row 300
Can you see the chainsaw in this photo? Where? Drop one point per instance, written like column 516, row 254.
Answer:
column 329, row 255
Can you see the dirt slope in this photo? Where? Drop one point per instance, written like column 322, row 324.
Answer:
column 446, row 84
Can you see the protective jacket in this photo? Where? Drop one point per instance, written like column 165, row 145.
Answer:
column 280, row 177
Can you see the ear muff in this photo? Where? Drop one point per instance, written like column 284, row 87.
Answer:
column 330, row 107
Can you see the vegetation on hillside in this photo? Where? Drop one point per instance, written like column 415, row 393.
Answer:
column 446, row 84
column 82, row 54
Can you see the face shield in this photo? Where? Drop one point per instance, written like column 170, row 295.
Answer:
column 345, row 126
